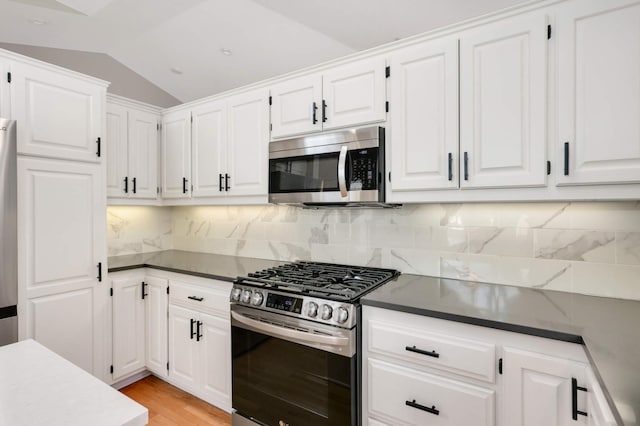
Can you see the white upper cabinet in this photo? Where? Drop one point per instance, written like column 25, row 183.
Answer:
column 348, row 95
column 58, row 116
column 209, row 133
column 176, row 154
column 297, row 106
column 503, row 95
column 132, row 152
column 424, row 121
column 599, row 91
column 5, row 93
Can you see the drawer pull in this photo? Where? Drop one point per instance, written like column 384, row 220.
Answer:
column 422, row 352
column 431, row 409
column 196, row 298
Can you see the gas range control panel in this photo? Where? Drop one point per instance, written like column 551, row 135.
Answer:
column 304, row 307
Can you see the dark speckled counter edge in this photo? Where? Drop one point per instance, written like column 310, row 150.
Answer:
column 179, row 271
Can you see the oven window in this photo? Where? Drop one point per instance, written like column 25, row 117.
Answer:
column 275, row 380
column 310, row 173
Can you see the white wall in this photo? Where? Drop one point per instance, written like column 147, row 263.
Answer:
column 591, row 248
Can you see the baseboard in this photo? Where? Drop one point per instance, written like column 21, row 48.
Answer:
column 131, row 379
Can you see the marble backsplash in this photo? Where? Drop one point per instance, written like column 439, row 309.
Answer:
column 591, row 248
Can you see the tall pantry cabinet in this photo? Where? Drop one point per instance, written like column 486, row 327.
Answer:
column 62, row 293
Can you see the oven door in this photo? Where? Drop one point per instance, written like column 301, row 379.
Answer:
column 291, row 372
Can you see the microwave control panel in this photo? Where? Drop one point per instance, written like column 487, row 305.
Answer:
column 363, row 173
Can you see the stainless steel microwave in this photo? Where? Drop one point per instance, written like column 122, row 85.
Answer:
column 343, row 168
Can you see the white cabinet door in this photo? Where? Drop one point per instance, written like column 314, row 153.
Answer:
column 248, row 139
column 58, row 115
column 503, row 95
column 156, row 301
column 208, row 160
column 183, row 355
column 598, row 89
column 598, row 410
column 128, row 326
column 296, row 106
column 143, row 154
column 5, row 92
column 176, row 154
column 215, row 360
column 537, row 389
column 424, row 123
column 355, row 93
column 116, row 150
column 61, row 252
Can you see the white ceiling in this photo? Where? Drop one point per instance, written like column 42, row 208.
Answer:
column 267, row 37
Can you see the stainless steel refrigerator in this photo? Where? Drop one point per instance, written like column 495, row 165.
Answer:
column 8, row 233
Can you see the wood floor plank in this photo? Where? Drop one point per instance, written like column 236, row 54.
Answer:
column 170, row 406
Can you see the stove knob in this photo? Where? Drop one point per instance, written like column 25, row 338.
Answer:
column 327, row 311
column 312, row 309
column 343, row 315
column 246, row 296
column 235, row 294
column 257, row 298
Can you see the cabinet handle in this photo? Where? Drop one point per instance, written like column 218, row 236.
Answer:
column 315, row 109
column 184, row 185
column 99, row 272
column 466, row 166
column 574, row 399
column 196, row 298
column 566, row 158
column 431, row 409
column 126, row 184
column 193, row 333
column 144, row 287
column 433, row 353
column 198, row 335
column 450, row 166
column 324, row 111
column 226, row 182
column 98, row 151
column 133, row 181
column 220, row 177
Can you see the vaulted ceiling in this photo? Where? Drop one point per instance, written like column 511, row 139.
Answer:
column 195, row 48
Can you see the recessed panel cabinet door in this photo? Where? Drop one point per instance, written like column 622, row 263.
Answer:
column 5, row 92
column 208, row 160
column 116, row 151
column 58, row 116
column 297, row 106
column 143, row 154
column 248, row 139
column 176, row 154
column 503, row 86
column 183, row 352
column 215, row 359
column 62, row 254
column 156, row 302
column 128, row 326
column 424, row 123
column 599, row 91
column 355, row 93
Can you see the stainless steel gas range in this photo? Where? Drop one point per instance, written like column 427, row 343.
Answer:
column 295, row 336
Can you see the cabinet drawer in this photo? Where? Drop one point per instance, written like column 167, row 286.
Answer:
column 200, row 298
column 462, row 356
column 403, row 395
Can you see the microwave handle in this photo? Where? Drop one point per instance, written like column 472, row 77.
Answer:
column 342, row 180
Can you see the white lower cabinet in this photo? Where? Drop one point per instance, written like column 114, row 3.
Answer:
column 156, row 305
column 421, row 370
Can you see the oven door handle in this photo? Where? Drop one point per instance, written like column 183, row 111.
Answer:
column 342, row 179
column 277, row 331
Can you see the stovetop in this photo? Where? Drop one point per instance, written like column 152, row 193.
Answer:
column 323, row 280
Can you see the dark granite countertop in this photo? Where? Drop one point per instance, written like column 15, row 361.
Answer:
column 608, row 328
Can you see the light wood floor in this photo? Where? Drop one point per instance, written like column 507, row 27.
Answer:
column 169, row 406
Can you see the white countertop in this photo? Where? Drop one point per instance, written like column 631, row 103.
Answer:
column 39, row 387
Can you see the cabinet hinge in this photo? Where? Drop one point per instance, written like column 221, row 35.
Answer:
column 270, row 127
column 500, row 366
column 548, row 32
column 548, row 168
column 157, row 189
column 386, row 106
column 167, row 366
column 8, row 77
column 270, row 100
column 192, row 118
column 111, row 369
column 389, row 176
column 387, row 72
column 158, row 127
column 167, row 289
column 111, row 292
